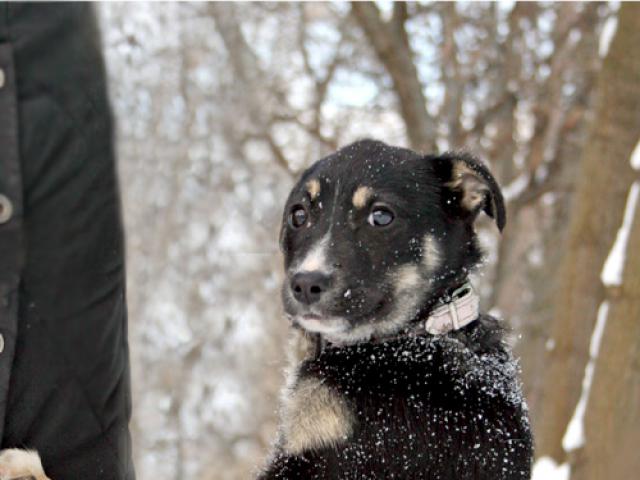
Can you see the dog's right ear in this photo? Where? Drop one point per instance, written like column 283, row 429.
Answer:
column 469, row 187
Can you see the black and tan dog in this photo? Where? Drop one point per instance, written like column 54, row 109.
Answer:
column 394, row 374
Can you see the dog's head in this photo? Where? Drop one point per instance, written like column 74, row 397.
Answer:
column 372, row 235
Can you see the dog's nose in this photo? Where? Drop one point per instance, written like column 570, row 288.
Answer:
column 308, row 287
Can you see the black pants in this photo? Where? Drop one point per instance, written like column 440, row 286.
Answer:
column 64, row 367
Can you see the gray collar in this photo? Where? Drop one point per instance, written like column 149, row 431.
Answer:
column 453, row 312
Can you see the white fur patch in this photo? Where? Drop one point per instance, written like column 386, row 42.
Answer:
column 316, row 258
column 361, row 196
column 325, row 326
column 313, row 187
column 431, row 255
column 301, row 347
column 15, row 463
column 314, row 416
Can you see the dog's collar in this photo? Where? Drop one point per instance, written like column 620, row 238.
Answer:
column 453, row 311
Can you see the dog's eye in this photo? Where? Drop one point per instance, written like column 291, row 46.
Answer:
column 298, row 216
column 380, row 217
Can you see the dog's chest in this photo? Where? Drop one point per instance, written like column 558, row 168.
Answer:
column 420, row 406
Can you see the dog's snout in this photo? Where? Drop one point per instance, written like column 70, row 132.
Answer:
column 308, row 287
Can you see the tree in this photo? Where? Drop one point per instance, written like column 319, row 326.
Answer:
column 612, row 421
column 596, row 213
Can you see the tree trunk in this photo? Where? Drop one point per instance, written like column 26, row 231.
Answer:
column 550, row 222
column 612, row 421
column 596, row 214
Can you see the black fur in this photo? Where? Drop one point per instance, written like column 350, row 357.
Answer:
column 446, row 407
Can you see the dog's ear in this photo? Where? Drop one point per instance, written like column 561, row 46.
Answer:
column 469, row 187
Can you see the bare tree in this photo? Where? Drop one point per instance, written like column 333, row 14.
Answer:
column 596, row 213
column 612, row 422
column 391, row 44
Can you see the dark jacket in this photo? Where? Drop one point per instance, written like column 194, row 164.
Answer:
column 64, row 368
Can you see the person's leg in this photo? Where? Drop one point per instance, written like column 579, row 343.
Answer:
column 68, row 393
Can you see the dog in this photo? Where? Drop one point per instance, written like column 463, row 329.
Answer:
column 393, row 372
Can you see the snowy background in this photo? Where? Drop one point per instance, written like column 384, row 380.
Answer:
column 220, row 107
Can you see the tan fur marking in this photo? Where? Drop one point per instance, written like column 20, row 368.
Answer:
column 471, row 200
column 408, row 277
column 15, row 463
column 458, row 173
column 361, row 196
column 313, row 187
column 314, row 416
column 473, row 188
column 431, row 256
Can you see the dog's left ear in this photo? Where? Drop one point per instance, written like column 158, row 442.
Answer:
column 470, row 187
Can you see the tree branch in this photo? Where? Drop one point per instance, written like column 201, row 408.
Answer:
column 391, row 46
